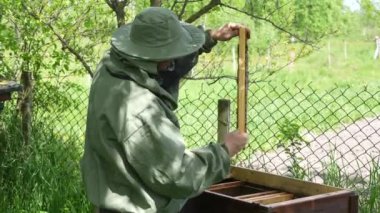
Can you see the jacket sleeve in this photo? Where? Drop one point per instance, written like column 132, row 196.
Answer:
column 157, row 152
column 209, row 42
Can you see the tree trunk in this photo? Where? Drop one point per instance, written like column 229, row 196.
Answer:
column 120, row 13
column 155, row 3
column 118, row 7
column 26, row 105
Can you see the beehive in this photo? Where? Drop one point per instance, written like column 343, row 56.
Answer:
column 253, row 191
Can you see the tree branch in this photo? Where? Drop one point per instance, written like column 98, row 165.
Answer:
column 182, row 10
column 173, row 5
column 269, row 21
column 118, row 8
column 277, row 9
column 211, row 77
column 109, row 3
column 204, row 10
column 217, row 78
column 64, row 43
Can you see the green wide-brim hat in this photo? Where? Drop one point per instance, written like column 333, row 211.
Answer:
column 157, row 34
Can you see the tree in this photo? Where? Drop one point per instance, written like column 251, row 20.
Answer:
column 19, row 38
column 118, row 6
column 370, row 11
column 316, row 19
column 46, row 39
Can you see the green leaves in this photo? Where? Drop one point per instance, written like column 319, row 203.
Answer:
column 53, row 38
column 289, row 132
column 314, row 19
column 292, row 143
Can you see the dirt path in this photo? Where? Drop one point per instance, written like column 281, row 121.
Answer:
column 353, row 148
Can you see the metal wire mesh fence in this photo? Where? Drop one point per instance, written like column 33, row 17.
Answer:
column 296, row 126
column 330, row 137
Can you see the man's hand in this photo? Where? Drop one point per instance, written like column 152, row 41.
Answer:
column 235, row 142
column 227, row 32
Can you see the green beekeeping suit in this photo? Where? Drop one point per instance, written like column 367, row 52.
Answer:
column 135, row 159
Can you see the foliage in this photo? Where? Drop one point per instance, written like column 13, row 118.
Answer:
column 333, row 175
column 39, row 177
column 315, row 19
column 20, row 45
column 43, row 37
column 292, row 142
column 373, row 200
column 371, row 13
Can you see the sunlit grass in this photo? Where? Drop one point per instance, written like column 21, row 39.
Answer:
column 42, row 176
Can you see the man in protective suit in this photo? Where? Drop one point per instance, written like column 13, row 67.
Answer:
column 135, row 159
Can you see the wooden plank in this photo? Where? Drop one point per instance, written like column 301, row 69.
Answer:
column 242, row 82
column 281, row 183
column 328, row 203
column 277, row 199
column 214, row 202
column 223, row 119
column 354, row 204
column 225, row 185
column 255, row 194
column 274, row 198
column 266, row 196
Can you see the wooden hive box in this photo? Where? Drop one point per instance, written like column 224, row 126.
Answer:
column 253, row 191
column 6, row 88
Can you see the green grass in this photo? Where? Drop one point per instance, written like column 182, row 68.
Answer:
column 333, row 175
column 42, row 176
column 372, row 201
column 359, row 68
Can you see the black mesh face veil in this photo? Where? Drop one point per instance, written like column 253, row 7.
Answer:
column 179, row 68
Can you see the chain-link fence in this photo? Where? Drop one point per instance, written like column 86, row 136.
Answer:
column 330, row 137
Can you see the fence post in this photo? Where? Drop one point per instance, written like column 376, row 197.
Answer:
column 223, row 119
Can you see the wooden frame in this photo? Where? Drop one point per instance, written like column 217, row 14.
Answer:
column 253, row 191
column 242, row 82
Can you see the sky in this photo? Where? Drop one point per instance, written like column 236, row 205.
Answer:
column 354, row 4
